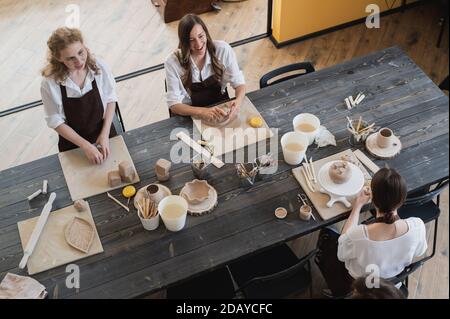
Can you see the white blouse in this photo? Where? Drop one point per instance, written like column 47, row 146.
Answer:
column 357, row 251
column 176, row 92
column 52, row 99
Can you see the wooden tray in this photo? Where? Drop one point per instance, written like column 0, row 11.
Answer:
column 85, row 179
column 222, row 137
column 52, row 250
column 320, row 200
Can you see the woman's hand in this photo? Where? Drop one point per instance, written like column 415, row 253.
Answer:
column 363, row 197
column 235, row 109
column 213, row 113
column 103, row 142
column 92, row 153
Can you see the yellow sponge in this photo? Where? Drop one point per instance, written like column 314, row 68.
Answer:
column 256, row 121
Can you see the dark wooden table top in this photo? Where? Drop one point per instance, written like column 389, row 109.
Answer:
column 136, row 262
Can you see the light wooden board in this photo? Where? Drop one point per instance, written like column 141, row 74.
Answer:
column 318, row 199
column 52, row 250
column 85, row 179
column 236, row 134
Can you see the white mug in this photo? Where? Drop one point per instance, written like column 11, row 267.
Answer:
column 173, row 212
column 311, row 125
column 385, row 137
column 294, row 146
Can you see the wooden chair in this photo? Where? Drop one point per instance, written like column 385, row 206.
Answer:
column 118, row 121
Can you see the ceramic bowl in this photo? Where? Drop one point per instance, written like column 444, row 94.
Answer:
column 196, row 191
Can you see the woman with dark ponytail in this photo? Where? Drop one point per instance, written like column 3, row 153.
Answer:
column 383, row 248
column 198, row 72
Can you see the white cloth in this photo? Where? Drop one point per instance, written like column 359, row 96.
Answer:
column 21, row 287
column 176, row 92
column 357, row 251
column 52, row 99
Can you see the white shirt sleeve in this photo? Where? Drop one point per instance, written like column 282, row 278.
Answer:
column 108, row 84
column 52, row 106
column 422, row 244
column 175, row 88
column 232, row 74
column 346, row 248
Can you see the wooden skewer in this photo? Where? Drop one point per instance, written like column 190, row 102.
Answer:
column 114, row 199
column 366, row 128
column 308, row 173
column 307, row 180
column 312, row 169
column 140, row 209
column 359, row 124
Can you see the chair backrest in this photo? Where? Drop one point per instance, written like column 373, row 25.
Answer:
column 403, row 276
column 118, row 121
column 444, row 84
column 279, row 284
column 305, row 67
column 422, row 199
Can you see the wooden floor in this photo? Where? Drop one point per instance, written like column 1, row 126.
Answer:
column 130, row 35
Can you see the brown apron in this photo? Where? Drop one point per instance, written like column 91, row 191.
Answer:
column 84, row 115
column 208, row 92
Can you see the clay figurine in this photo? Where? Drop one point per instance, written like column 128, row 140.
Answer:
column 126, row 171
column 162, row 168
column 80, row 205
column 340, row 172
column 114, row 178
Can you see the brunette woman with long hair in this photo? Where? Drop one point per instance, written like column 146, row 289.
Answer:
column 79, row 96
column 383, row 248
column 197, row 73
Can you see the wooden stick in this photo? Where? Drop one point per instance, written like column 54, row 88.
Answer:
column 359, row 124
column 307, row 180
column 308, row 173
column 366, row 128
column 140, row 209
column 119, row 203
column 312, row 168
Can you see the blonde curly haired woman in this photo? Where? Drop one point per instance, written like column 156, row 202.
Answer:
column 79, row 95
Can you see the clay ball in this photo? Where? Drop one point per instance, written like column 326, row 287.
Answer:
column 340, row 172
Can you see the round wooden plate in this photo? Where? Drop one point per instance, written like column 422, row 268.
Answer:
column 383, row 153
column 141, row 193
column 205, row 206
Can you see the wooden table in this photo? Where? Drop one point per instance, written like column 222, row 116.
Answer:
column 136, row 262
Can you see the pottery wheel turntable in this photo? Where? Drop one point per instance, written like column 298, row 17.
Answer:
column 340, row 192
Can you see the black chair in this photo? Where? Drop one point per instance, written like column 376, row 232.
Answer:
column 274, row 273
column 299, row 68
column 118, row 121
column 216, row 284
column 444, row 84
column 420, row 204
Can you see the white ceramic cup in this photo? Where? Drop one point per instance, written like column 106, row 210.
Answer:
column 291, row 155
column 150, row 223
column 310, row 119
column 173, row 212
column 385, row 137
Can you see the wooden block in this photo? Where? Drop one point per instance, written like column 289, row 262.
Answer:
column 126, row 171
column 114, row 178
column 162, row 166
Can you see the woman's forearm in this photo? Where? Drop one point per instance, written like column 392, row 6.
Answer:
column 186, row 110
column 353, row 219
column 69, row 134
column 240, row 93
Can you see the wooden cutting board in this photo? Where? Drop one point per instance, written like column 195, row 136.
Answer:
column 318, row 199
column 85, row 179
column 236, row 134
column 52, row 250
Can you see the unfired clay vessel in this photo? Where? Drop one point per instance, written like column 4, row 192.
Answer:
column 196, row 191
column 340, row 172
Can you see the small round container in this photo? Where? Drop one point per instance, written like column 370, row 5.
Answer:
column 358, row 140
column 281, row 212
column 305, row 212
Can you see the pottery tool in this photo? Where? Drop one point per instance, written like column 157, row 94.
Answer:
column 196, row 147
column 35, row 194
column 37, row 231
column 128, row 192
column 366, row 161
column 117, row 202
column 304, row 200
column 311, row 166
column 44, row 186
column 307, row 179
column 308, row 172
